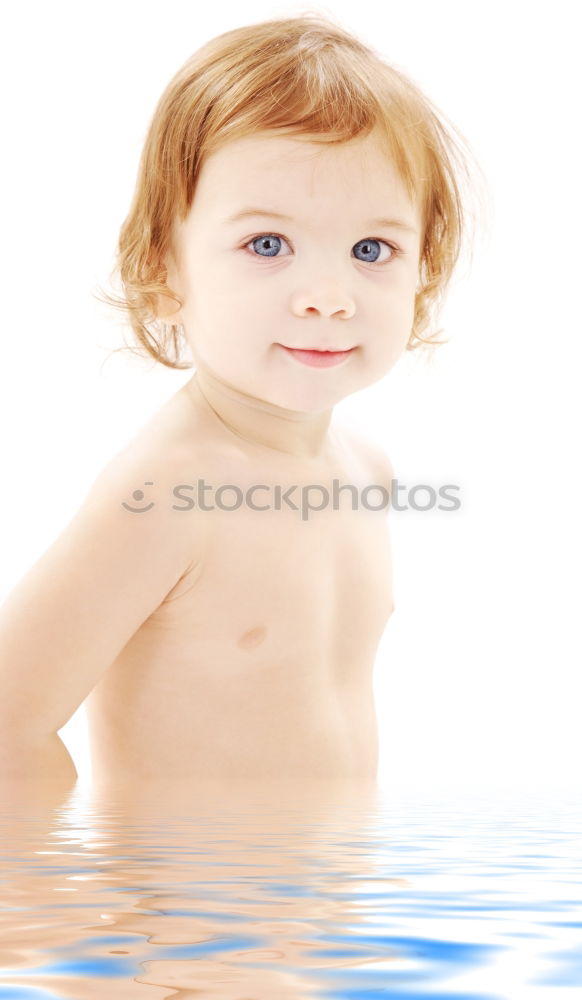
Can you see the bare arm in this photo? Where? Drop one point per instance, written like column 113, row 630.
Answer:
column 34, row 774
column 70, row 616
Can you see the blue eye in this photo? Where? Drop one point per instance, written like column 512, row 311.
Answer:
column 271, row 239
column 369, row 248
column 268, row 245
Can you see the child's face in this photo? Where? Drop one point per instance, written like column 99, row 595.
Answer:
column 327, row 279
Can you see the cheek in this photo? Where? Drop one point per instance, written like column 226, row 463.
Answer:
column 393, row 326
column 225, row 343
column 396, row 313
column 235, row 301
column 407, row 309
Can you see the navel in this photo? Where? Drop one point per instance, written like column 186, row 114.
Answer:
column 252, row 637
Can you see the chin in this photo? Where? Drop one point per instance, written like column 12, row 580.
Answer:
column 309, row 402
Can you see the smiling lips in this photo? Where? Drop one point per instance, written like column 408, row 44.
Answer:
column 316, row 358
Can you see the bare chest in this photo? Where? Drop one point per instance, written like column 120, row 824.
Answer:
column 268, row 642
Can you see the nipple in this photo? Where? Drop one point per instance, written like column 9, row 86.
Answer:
column 252, row 638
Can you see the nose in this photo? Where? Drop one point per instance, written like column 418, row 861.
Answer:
column 327, row 299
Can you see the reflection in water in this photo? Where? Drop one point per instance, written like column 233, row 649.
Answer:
column 260, row 892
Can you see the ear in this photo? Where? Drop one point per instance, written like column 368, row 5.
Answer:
column 168, row 309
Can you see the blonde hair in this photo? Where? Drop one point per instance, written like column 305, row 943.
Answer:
column 302, row 76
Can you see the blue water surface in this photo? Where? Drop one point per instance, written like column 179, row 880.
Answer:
column 398, row 899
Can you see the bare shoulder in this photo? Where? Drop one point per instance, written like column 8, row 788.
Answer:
column 139, row 480
column 170, row 442
column 378, row 464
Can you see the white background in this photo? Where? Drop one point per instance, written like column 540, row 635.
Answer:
column 477, row 673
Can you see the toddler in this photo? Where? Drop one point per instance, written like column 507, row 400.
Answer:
column 220, row 594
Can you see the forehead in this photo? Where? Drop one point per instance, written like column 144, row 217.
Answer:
column 293, row 171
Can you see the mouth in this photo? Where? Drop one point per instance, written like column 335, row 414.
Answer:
column 316, row 357
column 321, row 350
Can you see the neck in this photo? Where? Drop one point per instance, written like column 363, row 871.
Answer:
column 259, row 423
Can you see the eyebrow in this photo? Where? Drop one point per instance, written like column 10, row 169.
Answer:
column 247, row 212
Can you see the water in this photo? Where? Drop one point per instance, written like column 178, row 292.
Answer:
column 314, row 892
